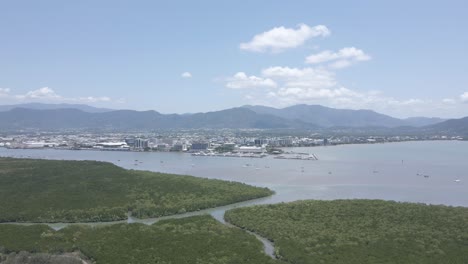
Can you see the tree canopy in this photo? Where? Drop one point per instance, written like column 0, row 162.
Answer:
column 90, row 191
column 197, row 240
column 359, row 231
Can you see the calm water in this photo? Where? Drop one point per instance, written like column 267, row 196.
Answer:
column 379, row 171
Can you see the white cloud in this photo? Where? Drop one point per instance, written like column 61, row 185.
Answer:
column 249, row 97
column 120, row 101
column 48, row 95
column 91, row 99
column 307, row 94
column 4, row 92
column 281, row 38
column 448, row 101
column 412, row 101
column 304, row 78
column 340, row 64
column 241, row 81
column 464, row 97
column 282, row 72
column 42, row 93
column 186, row 75
column 341, row 59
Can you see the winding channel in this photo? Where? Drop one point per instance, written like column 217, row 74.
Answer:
column 216, row 212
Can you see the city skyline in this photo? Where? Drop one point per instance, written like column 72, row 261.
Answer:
column 397, row 58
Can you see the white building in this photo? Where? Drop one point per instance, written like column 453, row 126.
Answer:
column 245, row 149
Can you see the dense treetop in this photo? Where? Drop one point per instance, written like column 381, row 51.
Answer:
column 83, row 191
column 197, row 240
column 360, row 231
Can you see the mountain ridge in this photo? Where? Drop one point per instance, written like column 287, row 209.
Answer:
column 458, row 126
column 55, row 119
column 332, row 117
column 258, row 117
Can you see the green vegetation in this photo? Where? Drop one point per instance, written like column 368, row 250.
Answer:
column 360, row 231
column 90, row 191
column 198, row 239
column 42, row 258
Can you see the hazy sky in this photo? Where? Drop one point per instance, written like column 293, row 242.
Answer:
column 403, row 58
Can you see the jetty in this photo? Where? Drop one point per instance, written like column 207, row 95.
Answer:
column 302, row 156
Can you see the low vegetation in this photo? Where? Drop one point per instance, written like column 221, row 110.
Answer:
column 89, row 191
column 359, row 231
column 198, row 239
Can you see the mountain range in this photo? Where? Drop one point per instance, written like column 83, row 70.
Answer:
column 330, row 117
column 66, row 116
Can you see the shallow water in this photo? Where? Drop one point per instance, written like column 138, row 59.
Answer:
column 392, row 171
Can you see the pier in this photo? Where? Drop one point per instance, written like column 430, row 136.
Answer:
column 302, row 156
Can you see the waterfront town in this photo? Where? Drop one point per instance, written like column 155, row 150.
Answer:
column 199, row 142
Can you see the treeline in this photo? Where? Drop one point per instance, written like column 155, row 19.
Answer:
column 198, row 239
column 359, row 231
column 90, row 191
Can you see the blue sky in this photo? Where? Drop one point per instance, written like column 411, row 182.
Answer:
column 403, row 58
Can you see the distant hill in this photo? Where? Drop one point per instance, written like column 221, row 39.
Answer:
column 456, row 126
column 423, row 121
column 54, row 119
column 331, row 117
column 41, row 106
